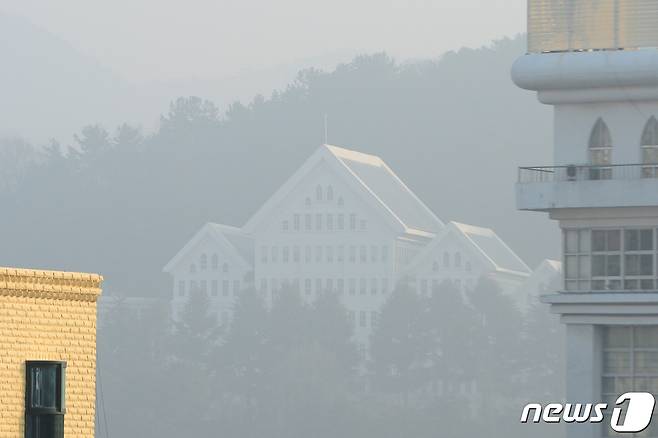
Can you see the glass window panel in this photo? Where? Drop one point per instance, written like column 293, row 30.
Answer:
column 613, row 285
column 632, row 264
column 571, row 241
column 598, row 266
column 631, row 284
column 617, row 337
column 616, row 386
column 598, row 240
column 584, row 285
column 571, row 285
column 645, row 384
column 646, row 284
column 613, row 240
column 584, row 265
column 631, row 240
column 646, row 362
column 613, row 266
column 44, row 386
column 571, row 267
column 616, row 362
column 584, row 241
column 646, row 337
column 646, row 240
column 598, row 285
column 646, row 264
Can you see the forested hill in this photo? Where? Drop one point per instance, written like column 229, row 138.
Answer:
column 122, row 203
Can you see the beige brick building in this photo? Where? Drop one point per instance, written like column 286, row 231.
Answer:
column 47, row 353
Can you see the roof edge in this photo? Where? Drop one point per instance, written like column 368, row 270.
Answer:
column 32, row 283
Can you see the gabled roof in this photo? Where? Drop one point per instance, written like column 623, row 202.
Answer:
column 486, row 244
column 237, row 244
column 369, row 176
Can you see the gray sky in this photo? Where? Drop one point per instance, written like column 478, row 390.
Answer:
column 172, row 39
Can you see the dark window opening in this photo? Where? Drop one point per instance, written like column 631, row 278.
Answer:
column 45, row 388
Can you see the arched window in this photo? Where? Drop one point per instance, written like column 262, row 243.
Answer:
column 600, row 151
column 204, row 262
column 214, row 261
column 225, row 268
column 650, row 149
column 330, row 193
column 318, row 193
column 435, row 266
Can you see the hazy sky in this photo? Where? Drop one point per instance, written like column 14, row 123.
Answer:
column 167, row 39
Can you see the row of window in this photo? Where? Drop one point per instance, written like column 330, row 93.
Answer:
column 630, row 364
column 324, row 222
column 325, row 254
column 424, row 285
column 351, row 286
column 322, row 194
column 214, row 264
column 600, row 149
column 610, row 259
column 202, row 286
column 366, row 319
column 456, row 262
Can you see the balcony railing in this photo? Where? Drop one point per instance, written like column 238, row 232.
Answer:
column 587, row 173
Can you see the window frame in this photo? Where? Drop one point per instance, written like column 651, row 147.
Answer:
column 56, row 414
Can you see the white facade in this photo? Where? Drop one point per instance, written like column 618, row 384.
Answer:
column 602, row 190
column 342, row 223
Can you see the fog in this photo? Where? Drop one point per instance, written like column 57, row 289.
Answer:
column 259, row 283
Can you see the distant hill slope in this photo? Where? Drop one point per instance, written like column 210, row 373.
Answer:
column 454, row 128
column 48, row 87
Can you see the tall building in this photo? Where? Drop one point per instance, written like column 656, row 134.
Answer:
column 47, row 353
column 596, row 63
column 344, row 223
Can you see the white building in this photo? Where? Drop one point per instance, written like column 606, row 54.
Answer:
column 345, row 223
column 596, row 63
column 545, row 278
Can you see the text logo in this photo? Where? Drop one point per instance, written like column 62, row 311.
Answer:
column 634, row 417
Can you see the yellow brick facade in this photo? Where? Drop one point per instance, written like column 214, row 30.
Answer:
column 48, row 315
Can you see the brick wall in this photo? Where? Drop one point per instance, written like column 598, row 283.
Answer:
column 47, row 315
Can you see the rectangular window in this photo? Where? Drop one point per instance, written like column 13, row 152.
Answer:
column 352, row 283
column 308, row 222
column 353, row 222
column 330, row 285
column 340, row 254
column 308, row 286
column 318, row 254
column 610, row 259
column 373, row 254
column 352, row 254
column 330, row 222
column 318, row 222
column 363, row 256
column 373, row 286
column 630, row 363
column 307, row 254
column 295, row 254
column 363, row 286
column 330, row 254
column 363, row 319
column 214, row 288
column 286, row 254
column 296, row 222
column 225, row 288
column 275, row 254
column 340, row 286
column 340, row 221
column 45, row 395
column 204, row 287
column 181, row 288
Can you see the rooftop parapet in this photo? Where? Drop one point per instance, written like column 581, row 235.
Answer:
column 50, row 284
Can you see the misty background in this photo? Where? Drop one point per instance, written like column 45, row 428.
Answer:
column 124, row 129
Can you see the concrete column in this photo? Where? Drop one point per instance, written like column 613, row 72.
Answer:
column 583, row 374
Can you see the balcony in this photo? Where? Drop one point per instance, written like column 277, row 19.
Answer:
column 587, row 186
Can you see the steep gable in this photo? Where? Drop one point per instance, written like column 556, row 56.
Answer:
column 372, row 180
